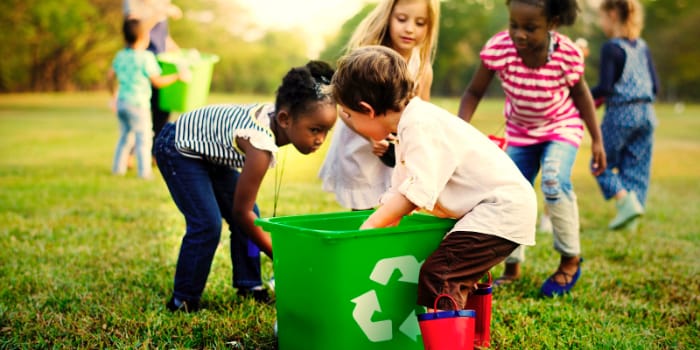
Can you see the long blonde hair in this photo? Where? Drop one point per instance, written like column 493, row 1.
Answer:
column 374, row 30
column 630, row 14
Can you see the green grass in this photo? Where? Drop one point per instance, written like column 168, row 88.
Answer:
column 87, row 258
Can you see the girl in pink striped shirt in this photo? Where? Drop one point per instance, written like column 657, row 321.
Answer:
column 547, row 104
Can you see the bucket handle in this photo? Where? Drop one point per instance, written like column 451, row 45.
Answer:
column 490, row 278
column 440, row 296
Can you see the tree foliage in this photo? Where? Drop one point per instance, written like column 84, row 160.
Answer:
column 465, row 26
column 69, row 44
column 54, row 44
column 251, row 60
column 669, row 31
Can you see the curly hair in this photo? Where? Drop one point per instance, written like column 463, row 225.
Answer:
column 564, row 11
column 303, row 86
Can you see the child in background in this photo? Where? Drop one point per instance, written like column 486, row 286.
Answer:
column 199, row 156
column 352, row 168
column 547, row 104
column 155, row 15
column 136, row 69
column 628, row 83
column 444, row 166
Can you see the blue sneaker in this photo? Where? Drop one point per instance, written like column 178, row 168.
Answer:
column 551, row 288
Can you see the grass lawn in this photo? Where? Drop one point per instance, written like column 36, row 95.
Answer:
column 88, row 258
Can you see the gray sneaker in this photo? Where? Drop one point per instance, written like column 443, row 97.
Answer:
column 628, row 208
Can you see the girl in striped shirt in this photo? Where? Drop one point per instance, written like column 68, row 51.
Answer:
column 547, row 104
column 213, row 160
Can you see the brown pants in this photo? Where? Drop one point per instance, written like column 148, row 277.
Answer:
column 457, row 265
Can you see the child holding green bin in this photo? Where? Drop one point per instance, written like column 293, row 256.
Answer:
column 136, row 70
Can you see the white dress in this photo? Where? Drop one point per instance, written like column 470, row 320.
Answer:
column 351, row 171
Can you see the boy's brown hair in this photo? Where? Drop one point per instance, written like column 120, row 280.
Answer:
column 132, row 29
column 373, row 74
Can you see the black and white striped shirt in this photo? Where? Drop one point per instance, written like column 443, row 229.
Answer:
column 210, row 132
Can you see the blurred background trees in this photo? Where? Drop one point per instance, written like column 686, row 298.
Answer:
column 68, row 45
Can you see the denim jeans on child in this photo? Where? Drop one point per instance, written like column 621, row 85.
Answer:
column 555, row 159
column 204, row 194
column 133, row 121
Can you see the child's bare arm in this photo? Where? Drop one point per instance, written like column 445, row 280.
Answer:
column 113, row 86
column 254, row 169
column 160, row 81
column 474, row 92
column 584, row 103
column 112, row 81
column 390, row 213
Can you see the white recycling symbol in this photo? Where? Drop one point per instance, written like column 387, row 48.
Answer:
column 368, row 303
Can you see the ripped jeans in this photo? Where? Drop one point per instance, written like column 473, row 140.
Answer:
column 555, row 159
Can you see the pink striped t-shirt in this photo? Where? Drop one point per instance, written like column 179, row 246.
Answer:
column 539, row 107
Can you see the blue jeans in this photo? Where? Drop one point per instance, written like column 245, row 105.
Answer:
column 555, row 159
column 133, row 121
column 204, row 194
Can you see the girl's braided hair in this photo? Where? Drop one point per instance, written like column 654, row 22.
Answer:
column 303, row 86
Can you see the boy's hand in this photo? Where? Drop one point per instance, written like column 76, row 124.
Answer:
column 390, row 213
column 379, row 147
column 184, row 73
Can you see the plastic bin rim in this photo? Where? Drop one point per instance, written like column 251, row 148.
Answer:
column 172, row 57
column 268, row 223
column 446, row 314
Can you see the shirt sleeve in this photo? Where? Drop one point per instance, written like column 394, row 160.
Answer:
column 612, row 61
column 428, row 162
column 571, row 59
column 151, row 65
column 498, row 52
column 262, row 139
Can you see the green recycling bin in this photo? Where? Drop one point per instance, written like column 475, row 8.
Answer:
column 186, row 96
column 338, row 287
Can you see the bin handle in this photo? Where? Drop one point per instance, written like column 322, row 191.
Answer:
column 440, row 296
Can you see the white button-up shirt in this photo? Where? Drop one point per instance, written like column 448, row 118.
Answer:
column 449, row 168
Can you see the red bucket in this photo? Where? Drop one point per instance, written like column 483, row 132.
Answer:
column 499, row 141
column 447, row 330
column 480, row 302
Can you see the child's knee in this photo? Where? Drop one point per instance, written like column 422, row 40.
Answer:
column 553, row 185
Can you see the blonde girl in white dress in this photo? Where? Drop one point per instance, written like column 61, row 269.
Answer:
column 352, row 168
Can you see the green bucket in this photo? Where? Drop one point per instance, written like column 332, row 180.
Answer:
column 186, row 96
column 338, row 287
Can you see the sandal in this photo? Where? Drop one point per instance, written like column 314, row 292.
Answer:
column 551, row 287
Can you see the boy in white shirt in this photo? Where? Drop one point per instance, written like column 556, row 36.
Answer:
column 443, row 166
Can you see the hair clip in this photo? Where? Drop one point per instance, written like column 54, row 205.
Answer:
column 321, row 89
